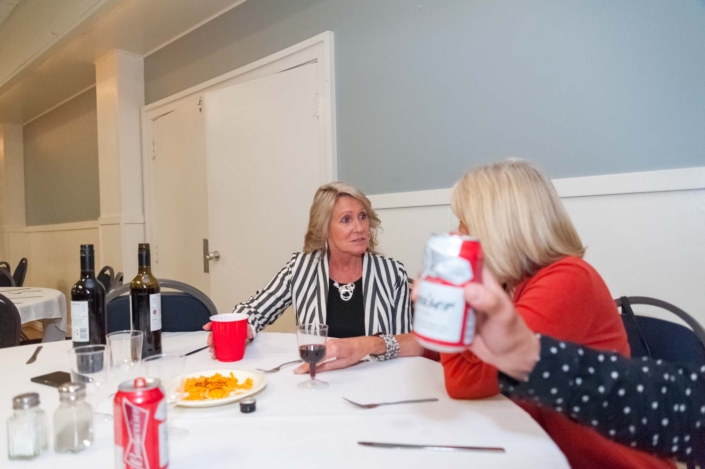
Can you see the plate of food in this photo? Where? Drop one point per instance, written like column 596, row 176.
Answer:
column 211, row 388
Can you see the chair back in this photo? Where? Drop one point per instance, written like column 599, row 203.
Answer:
column 20, row 272
column 117, row 281
column 106, row 277
column 660, row 339
column 10, row 323
column 184, row 310
column 5, row 265
column 6, row 279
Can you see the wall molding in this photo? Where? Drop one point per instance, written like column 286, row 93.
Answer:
column 120, row 219
column 666, row 180
column 79, row 225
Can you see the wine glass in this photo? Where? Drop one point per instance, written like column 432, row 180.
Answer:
column 312, row 348
column 125, row 353
column 169, row 369
column 89, row 365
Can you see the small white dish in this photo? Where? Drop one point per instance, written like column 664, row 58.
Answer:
column 259, row 383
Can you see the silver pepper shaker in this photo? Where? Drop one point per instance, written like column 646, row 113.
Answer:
column 73, row 420
column 26, row 428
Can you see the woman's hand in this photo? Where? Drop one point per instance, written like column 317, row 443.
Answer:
column 346, row 352
column 208, row 327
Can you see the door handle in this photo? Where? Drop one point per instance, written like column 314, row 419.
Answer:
column 213, row 256
column 208, row 255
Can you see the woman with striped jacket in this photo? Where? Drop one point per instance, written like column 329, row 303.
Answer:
column 340, row 280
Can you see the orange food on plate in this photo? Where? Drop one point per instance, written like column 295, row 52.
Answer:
column 214, row 387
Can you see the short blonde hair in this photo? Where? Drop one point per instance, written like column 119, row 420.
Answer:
column 515, row 212
column 322, row 211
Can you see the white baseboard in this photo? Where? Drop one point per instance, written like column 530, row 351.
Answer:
column 627, row 183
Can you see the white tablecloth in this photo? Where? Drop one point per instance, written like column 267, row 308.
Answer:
column 293, row 428
column 40, row 304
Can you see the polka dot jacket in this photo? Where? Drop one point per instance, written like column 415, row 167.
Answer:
column 649, row 405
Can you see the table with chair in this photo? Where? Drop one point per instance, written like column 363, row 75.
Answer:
column 21, row 305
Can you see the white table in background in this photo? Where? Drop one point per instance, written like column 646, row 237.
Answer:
column 40, row 304
column 298, row 429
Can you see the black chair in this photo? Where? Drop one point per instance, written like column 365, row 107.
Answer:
column 117, row 281
column 10, row 323
column 106, row 277
column 5, row 265
column 20, row 272
column 6, row 279
column 184, row 310
column 659, row 339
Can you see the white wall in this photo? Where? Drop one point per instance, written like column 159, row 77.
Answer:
column 53, row 253
column 644, row 231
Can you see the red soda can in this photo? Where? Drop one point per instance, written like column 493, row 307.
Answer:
column 443, row 321
column 141, row 435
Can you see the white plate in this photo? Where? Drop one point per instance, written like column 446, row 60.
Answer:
column 259, row 383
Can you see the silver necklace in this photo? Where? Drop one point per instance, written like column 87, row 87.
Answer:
column 346, row 291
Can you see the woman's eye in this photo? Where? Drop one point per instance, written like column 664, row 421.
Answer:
column 363, row 216
column 345, row 219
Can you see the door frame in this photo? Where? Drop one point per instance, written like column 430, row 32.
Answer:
column 316, row 49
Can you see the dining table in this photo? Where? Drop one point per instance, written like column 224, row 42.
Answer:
column 295, row 428
column 40, row 304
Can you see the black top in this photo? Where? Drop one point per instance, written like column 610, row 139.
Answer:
column 649, row 405
column 345, row 318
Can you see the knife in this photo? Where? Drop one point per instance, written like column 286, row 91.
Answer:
column 33, row 358
column 196, row 351
column 431, row 447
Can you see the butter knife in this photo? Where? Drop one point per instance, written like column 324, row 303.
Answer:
column 431, row 447
column 33, row 358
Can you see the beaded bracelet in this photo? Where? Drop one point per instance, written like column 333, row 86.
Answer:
column 392, row 348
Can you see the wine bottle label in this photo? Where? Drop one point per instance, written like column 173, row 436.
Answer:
column 79, row 321
column 155, row 312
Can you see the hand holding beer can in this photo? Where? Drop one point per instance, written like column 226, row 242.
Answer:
column 443, row 321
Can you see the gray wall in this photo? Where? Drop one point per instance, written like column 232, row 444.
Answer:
column 427, row 89
column 61, row 164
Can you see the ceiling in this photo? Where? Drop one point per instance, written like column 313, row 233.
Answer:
column 6, row 7
column 66, row 68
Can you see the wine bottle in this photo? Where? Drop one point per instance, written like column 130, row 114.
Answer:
column 88, row 314
column 146, row 304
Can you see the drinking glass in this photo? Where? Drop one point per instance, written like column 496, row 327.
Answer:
column 169, row 369
column 312, row 349
column 125, row 353
column 89, row 365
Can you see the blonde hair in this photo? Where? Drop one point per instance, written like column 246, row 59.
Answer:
column 322, row 211
column 515, row 212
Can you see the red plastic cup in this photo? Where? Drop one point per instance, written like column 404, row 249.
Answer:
column 229, row 336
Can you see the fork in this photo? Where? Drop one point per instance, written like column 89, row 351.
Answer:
column 275, row 369
column 372, row 406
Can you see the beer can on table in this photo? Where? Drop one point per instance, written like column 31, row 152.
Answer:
column 141, row 435
column 443, row 321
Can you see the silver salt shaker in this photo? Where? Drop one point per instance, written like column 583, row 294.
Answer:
column 26, row 428
column 73, row 420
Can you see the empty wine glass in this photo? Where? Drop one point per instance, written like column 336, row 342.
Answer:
column 169, row 369
column 312, row 349
column 125, row 353
column 89, row 365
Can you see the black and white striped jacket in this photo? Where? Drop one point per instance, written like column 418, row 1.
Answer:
column 303, row 283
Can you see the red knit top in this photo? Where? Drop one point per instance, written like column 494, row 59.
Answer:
column 567, row 300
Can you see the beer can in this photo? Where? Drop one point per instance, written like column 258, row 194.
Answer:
column 443, row 321
column 141, row 434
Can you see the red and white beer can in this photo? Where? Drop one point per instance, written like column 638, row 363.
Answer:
column 141, row 434
column 443, row 321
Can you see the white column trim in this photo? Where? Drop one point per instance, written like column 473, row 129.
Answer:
column 667, row 180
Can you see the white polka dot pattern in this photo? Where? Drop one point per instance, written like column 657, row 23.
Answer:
column 642, row 404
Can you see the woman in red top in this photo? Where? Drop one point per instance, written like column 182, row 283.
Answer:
column 532, row 248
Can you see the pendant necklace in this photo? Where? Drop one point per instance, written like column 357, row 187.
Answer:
column 346, row 291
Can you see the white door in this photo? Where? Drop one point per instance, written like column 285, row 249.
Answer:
column 264, row 166
column 180, row 215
